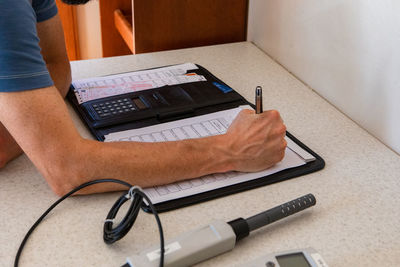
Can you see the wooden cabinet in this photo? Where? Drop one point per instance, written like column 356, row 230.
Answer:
column 139, row 26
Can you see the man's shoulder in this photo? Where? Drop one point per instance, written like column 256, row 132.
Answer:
column 41, row 9
column 21, row 64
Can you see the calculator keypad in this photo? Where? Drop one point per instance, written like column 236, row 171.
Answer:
column 114, row 107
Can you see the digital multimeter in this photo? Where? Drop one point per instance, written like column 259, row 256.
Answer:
column 307, row 257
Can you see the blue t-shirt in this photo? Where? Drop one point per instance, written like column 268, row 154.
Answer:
column 21, row 65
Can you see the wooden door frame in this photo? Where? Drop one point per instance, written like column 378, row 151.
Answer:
column 67, row 15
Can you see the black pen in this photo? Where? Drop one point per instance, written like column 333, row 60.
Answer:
column 259, row 107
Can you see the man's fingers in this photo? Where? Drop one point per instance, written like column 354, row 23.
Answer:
column 247, row 111
column 273, row 114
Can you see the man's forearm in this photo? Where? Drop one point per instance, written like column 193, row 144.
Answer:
column 45, row 131
column 149, row 164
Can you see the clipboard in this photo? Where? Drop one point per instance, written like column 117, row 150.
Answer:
column 174, row 102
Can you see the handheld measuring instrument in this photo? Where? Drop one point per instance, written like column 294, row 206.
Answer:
column 216, row 238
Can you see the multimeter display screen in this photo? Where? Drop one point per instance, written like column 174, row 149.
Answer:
column 292, row 260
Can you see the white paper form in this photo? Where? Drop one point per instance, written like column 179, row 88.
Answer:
column 99, row 87
column 195, row 127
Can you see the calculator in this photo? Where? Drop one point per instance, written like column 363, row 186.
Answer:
column 115, row 107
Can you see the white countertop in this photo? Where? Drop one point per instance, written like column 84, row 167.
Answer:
column 355, row 222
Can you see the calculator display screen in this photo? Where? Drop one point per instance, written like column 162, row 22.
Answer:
column 139, row 103
column 293, row 260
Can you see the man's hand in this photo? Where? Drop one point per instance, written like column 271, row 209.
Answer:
column 256, row 141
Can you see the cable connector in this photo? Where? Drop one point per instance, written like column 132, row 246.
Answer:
column 131, row 194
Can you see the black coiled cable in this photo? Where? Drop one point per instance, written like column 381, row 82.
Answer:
column 135, row 195
column 114, row 234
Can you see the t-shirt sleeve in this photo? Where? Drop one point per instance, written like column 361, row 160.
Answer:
column 44, row 9
column 21, row 64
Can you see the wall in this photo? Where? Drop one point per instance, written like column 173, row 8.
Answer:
column 347, row 51
column 89, row 33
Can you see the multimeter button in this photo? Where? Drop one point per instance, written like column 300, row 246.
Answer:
column 95, row 105
column 270, row 264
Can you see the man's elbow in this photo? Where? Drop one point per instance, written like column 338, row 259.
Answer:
column 63, row 172
column 62, row 181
